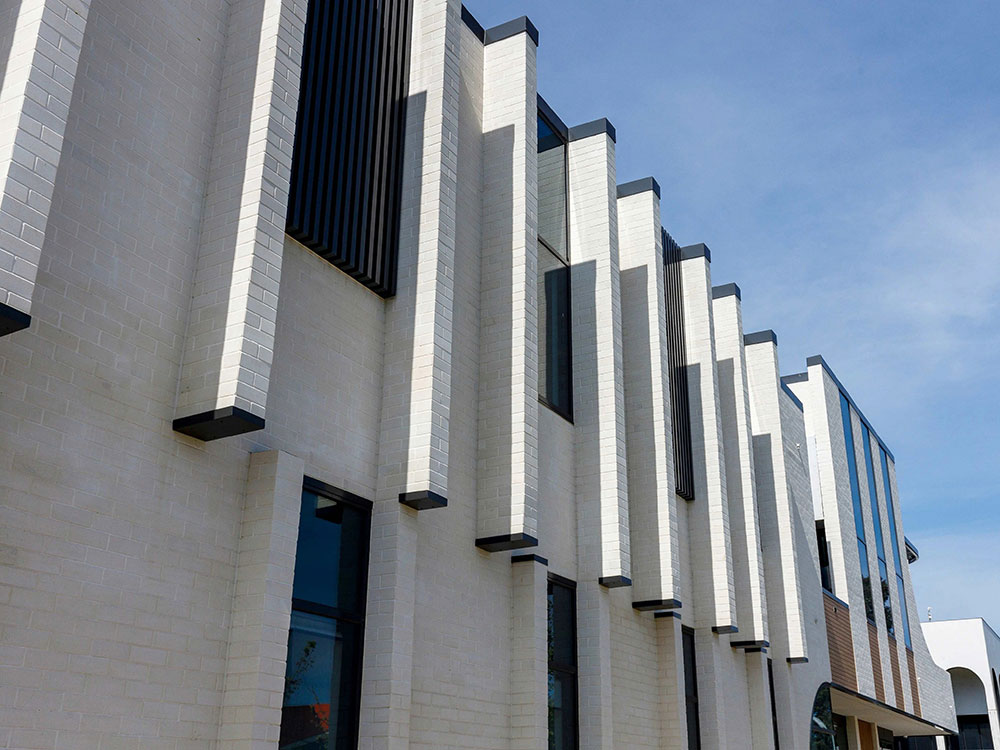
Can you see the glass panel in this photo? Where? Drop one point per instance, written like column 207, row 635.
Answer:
column 562, row 711
column 825, row 574
column 562, row 626
column 555, row 350
column 866, row 581
column 691, row 690
column 552, row 212
column 903, row 611
column 321, row 684
column 894, row 541
column 859, row 520
column 330, row 559
column 873, row 492
column 840, row 732
column 890, row 623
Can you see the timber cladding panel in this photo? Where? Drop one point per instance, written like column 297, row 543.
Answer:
column 897, row 675
column 840, row 641
column 914, row 688
column 876, row 663
column 346, row 182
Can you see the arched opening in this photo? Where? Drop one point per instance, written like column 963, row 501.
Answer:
column 828, row 731
column 972, row 711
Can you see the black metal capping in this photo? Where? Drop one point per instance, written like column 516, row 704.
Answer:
column 219, row 423
column 554, row 120
column 522, row 25
column 477, row 28
column 797, row 659
column 423, row 500
column 760, row 337
column 320, row 487
column 506, row 542
column 529, row 558
column 635, row 187
column 655, row 605
column 798, row 377
column 696, row 251
column 720, row 629
column 795, row 399
column 818, row 360
column 668, row 613
column 595, row 127
column 726, row 290
column 755, row 650
column 12, row 319
column 749, row 644
column 680, row 403
column 912, row 553
column 614, row 582
column 347, row 163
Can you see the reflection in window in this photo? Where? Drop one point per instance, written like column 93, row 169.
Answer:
column 555, row 350
column 823, row 732
column 825, row 573
column 859, row 520
column 562, row 666
column 883, row 571
column 321, row 703
column 691, row 690
column 894, row 541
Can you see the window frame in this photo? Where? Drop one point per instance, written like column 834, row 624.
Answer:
column 571, row 670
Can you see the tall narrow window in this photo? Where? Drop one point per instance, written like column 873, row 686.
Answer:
column 691, row 689
column 322, row 695
column 563, row 732
column 883, row 570
column 825, row 574
column 555, row 349
column 859, row 519
column 774, row 704
column 896, row 555
column 680, row 406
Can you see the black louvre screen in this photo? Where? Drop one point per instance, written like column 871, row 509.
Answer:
column 345, row 188
column 680, row 407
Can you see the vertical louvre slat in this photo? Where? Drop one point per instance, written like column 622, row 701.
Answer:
column 680, row 407
column 345, row 189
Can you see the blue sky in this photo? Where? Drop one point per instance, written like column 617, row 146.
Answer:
column 842, row 160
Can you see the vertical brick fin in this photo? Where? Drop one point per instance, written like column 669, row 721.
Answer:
column 774, row 480
column 734, row 399
column 680, row 405
column 840, row 640
column 231, row 321
column 345, row 189
column 598, row 381
column 711, row 551
column 262, row 605
column 876, row 662
column 529, row 718
column 653, row 521
column 670, row 658
column 416, row 372
column 911, row 667
column 507, row 468
column 36, row 86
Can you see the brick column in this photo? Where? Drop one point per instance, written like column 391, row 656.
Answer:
column 529, row 666
column 759, row 697
column 507, row 507
column 653, row 519
column 262, row 605
column 230, row 332
column 734, row 402
column 35, row 91
column 673, row 706
column 711, row 554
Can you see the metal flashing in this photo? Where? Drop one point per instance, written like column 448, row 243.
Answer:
column 760, row 337
column 699, row 250
column 505, row 542
column 470, row 20
column 522, row 25
column 529, row 558
column 423, row 500
column 595, row 127
column 635, row 187
column 614, row 582
column 218, row 423
column 653, row 605
column 726, row 290
column 795, row 399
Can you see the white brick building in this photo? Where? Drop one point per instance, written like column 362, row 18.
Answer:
column 347, row 400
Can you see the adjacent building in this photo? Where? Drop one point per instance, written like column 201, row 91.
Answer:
column 970, row 651
column 349, row 399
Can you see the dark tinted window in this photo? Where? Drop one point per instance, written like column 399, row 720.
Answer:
column 974, row 733
column 859, row 522
column 322, row 693
column 691, row 690
column 883, row 572
column 904, row 615
column 553, row 217
column 774, row 705
column 563, row 733
column 825, row 573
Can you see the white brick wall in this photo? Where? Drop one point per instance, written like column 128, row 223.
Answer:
column 40, row 44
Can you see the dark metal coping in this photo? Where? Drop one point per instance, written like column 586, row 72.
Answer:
column 795, row 399
column 760, row 337
column 595, row 127
column 720, row 629
column 797, row 659
column 218, row 423
column 423, row 500
column 855, row 694
column 818, row 360
column 470, row 20
column 726, row 290
column 522, row 25
column 635, row 187
column 699, row 250
column 798, row 377
column 750, row 644
column 554, row 120
column 529, row 558
column 653, row 605
column 12, row 319
column 506, row 542
column 841, row 602
column 668, row 613
column 614, row 582
column 911, row 551
column 755, row 650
